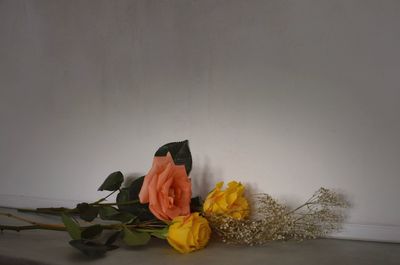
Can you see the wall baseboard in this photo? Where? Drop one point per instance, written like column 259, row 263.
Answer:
column 364, row 232
column 22, row 201
column 369, row 232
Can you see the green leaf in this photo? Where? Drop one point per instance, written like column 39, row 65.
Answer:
column 179, row 151
column 110, row 213
column 196, row 204
column 132, row 193
column 90, row 249
column 72, row 227
column 92, row 231
column 135, row 238
column 123, row 196
column 106, row 212
column 123, row 218
column 160, row 233
column 113, row 182
column 135, row 187
column 87, row 212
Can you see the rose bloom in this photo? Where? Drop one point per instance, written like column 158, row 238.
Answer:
column 167, row 189
column 189, row 233
column 229, row 202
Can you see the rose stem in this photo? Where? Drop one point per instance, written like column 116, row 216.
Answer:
column 61, row 227
column 118, row 203
column 103, row 199
column 52, row 210
column 60, row 210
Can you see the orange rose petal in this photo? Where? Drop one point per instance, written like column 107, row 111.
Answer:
column 164, row 176
column 157, row 213
column 144, row 191
column 153, row 192
column 173, row 212
column 167, row 188
column 164, row 193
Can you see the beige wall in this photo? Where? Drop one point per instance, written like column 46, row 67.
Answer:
column 285, row 96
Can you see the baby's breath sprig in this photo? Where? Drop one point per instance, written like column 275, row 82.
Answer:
column 270, row 220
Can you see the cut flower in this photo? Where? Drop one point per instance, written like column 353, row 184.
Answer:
column 189, row 233
column 230, row 202
column 167, row 189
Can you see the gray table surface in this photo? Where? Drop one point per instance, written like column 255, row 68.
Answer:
column 51, row 247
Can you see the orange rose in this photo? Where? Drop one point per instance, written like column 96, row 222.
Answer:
column 167, row 189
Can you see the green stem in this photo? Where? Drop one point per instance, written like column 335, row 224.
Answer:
column 60, row 210
column 147, row 230
column 9, row 215
column 118, row 203
column 103, row 199
column 61, row 227
column 52, row 210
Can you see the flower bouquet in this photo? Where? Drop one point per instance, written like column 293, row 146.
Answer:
column 160, row 204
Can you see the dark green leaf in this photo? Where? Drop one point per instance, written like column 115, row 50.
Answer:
column 132, row 193
column 92, row 231
column 87, row 212
column 196, row 204
column 179, row 151
column 72, row 227
column 110, row 213
column 135, row 187
column 106, row 212
column 123, row 218
column 135, row 238
column 161, row 233
column 123, row 196
column 88, row 248
column 113, row 182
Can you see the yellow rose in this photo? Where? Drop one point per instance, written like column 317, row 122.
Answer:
column 189, row 233
column 229, row 202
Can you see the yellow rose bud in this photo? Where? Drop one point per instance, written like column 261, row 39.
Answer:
column 229, row 202
column 189, row 233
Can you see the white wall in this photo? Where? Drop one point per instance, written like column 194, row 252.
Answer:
column 285, row 96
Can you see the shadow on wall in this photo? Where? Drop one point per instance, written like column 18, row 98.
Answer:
column 131, row 177
column 204, row 177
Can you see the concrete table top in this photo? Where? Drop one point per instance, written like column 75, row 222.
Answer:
column 51, row 247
